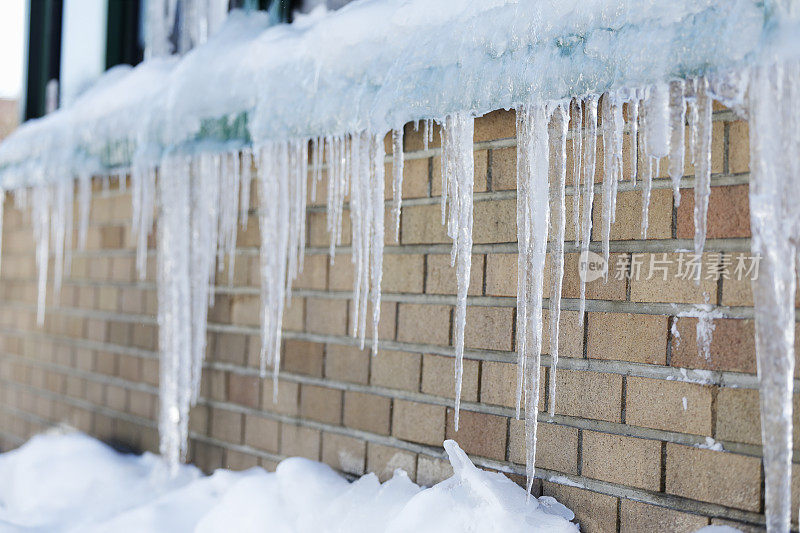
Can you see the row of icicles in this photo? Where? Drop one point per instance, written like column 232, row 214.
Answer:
column 204, row 198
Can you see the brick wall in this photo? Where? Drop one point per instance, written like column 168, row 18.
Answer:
column 627, row 448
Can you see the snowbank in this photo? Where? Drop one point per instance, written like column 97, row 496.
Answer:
column 71, row 482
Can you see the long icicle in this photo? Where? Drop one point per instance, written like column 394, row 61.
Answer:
column 560, row 226
column 577, row 154
column 174, row 308
column 702, row 165
column 458, row 169
column 774, row 196
column 274, row 221
column 612, row 165
column 397, row 179
column 677, row 119
column 589, row 160
column 534, row 137
column 376, row 234
column 41, row 200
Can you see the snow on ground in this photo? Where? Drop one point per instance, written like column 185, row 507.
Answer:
column 72, row 482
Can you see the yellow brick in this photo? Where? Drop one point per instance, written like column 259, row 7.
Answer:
column 226, row 425
column 628, row 337
column 422, row 224
column 384, row 460
column 245, row 310
column 738, row 147
column 489, row 328
column 716, row 477
column 637, row 517
column 556, row 446
column 672, row 289
column 261, row 433
column 347, row 363
column 624, row 460
column 429, row 324
column 287, row 401
column 480, row 159
column 431, row 471
column 396, row 370
column 300, row 441
column 417, row 422
column 326, row 316
column 302, row 357
column 416, row 177
column 504, row 169
column 367, row 412
column 628, row 221
column 500, row 124
column 402, row 273
column 344, row 453
column 441, row 277
column 321, row 404
column 438, row 377
column 658, row 404
column 498, row 383
column 589, row 395
column 494, row 221
column 501, row 274
column 315, row 273
column 479, row 433
column 570, row 334
column 596, row 513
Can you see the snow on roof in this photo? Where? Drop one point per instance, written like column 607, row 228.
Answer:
column 375, row 65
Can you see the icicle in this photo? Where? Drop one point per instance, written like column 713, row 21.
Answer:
column 458, row 169
column 337, row 185
column 298, row 191
column 427, row 133
column 205, row 201
column 376, row 234
column 692, row 117
column 657, row 121
column 246, row 178
column 397, row 179
column 589, row 160
column 317, row 145
column 577, row 153
column 158, row 27
column 534, row 147
column 633, row 110
column 143, row 191
column 774, row 197
column 230, row 181
column 677, row 118
column 174, row 308
column 647, row 187
column 84, row 206
column 41, row 202
column 613, row 125
column 702, row 162
column 61, row 231
column 359, row 216
column 274, row 219
column 559, row 224
column 366, row 213
column 282, row 172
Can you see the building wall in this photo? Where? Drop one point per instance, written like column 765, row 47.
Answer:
column 9, row 117
column 628, row 447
